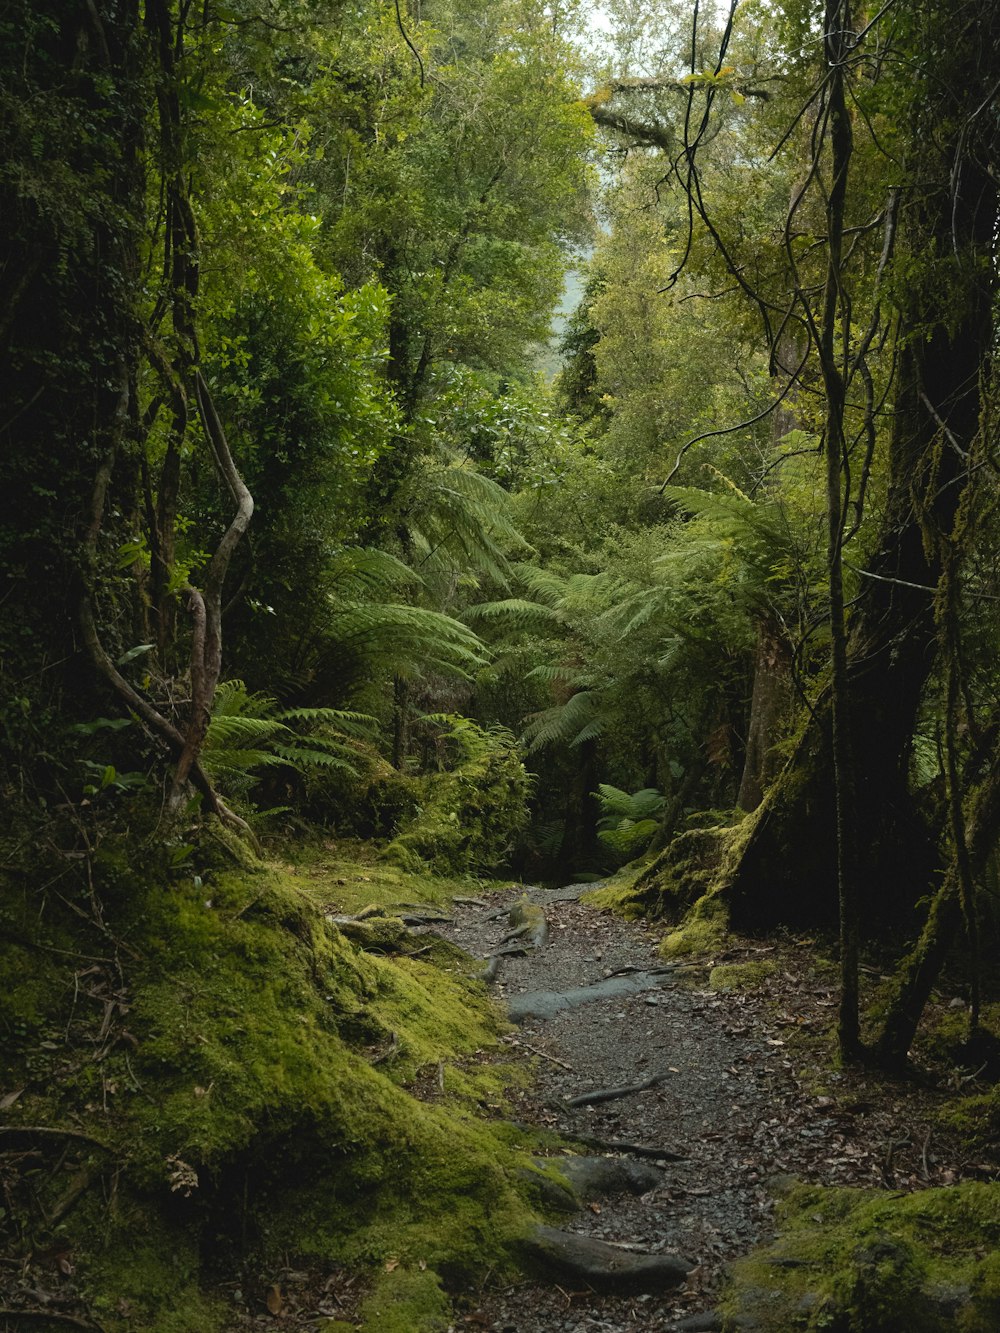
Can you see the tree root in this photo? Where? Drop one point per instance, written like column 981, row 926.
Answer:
column 612, row 1094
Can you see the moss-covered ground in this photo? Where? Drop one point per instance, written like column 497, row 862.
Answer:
column 203, row 1074
column 865, row 1261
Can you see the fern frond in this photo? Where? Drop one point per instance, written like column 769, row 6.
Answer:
column 542, row 583
column 634, row 806
column 565, row 723
column 223, row 731
column 406, row 639
column 305, row 756
column 561, row 675
column 516, row 611
column 351, row 724
column 360, row 571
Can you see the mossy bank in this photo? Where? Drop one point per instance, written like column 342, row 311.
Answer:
column 203, row 1074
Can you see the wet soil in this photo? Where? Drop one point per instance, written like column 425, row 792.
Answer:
column 749, row 1094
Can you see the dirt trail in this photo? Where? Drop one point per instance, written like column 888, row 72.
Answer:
column 729, row 1099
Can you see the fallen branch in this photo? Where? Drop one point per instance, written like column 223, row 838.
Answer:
column 511, row 951
column 662, row 971
column 612, row 1094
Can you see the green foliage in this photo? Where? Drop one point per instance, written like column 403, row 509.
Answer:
column 250, row 731
column 629, row 821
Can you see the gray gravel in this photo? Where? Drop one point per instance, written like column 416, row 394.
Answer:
column 710, row 1207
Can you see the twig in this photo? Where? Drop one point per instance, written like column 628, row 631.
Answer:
column 49, row 1317
column 406, row 39
column 535, row 1050
column 391, row 1050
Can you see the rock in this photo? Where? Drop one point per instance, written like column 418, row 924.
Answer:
column 591, row 1177
column 557, row 1195
column 583, row 1179
column 528, row 923
column 949, row 1299
column 602, row 1266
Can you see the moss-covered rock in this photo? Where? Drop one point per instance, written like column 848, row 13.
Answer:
column 469, row 814
column 861, row 1261
column 682, row 873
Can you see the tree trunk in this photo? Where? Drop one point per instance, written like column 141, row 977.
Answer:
column 785, row 870
column 920, row 969
column 770, row 705
column 579, row 845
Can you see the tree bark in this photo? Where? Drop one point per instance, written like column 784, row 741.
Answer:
column 922, row 966
column 770, row 705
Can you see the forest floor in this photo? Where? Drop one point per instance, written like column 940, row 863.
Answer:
column 750, row 1095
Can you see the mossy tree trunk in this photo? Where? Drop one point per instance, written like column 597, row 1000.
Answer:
column 785, row 868
column 920, row 969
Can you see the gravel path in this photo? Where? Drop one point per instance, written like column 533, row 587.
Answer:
column 729, row 1099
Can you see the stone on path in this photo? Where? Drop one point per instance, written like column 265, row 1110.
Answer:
column 602, row 1266
column 547, row 1003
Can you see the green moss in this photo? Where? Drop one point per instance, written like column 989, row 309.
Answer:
column 347, row 876
column 619, row 894
column 146, row 1274
column 682, row 873
column 873, row 1262
column 260, row 1102
column 406, row 1301
column 740, row 976
column 702, row 931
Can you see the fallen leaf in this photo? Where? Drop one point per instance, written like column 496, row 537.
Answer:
column 391, row 1265
column 274, row 1300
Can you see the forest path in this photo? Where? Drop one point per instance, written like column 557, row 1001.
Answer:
column 729, row 1099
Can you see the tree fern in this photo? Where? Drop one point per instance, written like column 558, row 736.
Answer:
column 405, row 640
column 629, row 820
column 249, row 731
column 569, row 723
column 458, row 519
